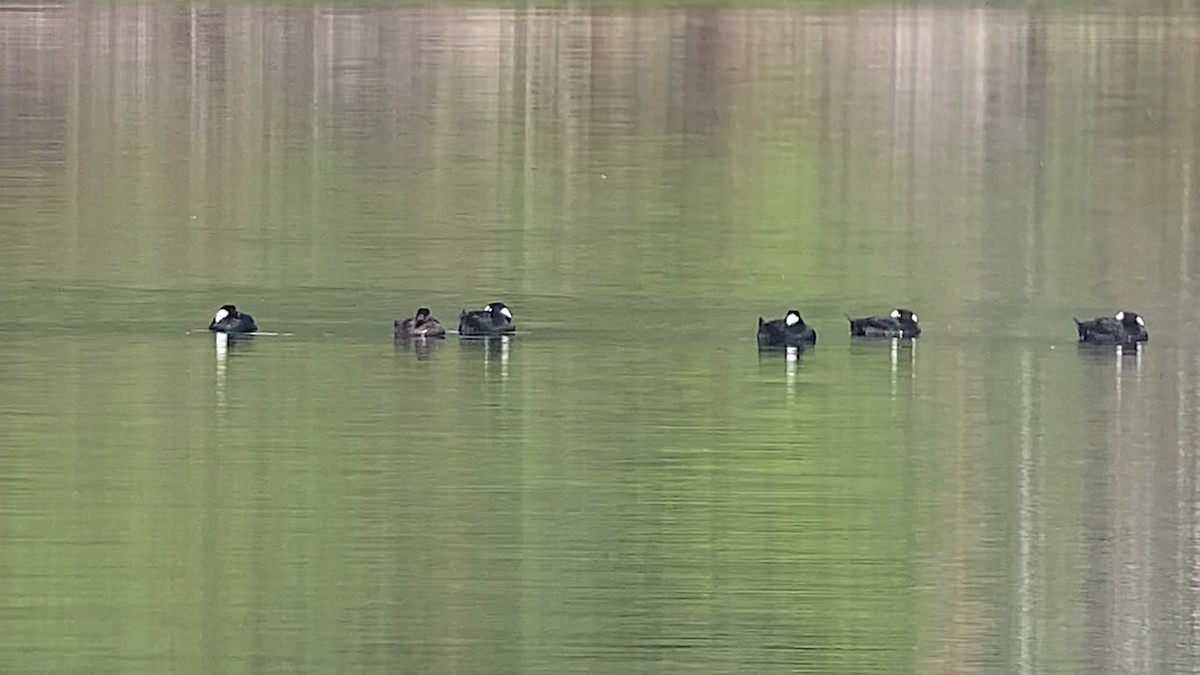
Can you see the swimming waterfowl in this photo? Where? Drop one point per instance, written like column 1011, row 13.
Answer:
column 494, row 319
column 421, row 325
column 790, row 331
column 229, row 320
column 1126, row 328
column 901, row 323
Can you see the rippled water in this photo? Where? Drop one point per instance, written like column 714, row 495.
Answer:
column 627, row 485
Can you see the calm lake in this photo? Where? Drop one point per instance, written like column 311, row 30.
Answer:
column 627, row 485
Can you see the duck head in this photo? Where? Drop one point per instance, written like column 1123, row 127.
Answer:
column 500, row 312
column 793, row 318
column 1134, row 325
column 224, row 313
column 907, row 319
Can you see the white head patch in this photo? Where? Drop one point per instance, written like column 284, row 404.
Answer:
column 914, row 318
column 507, row 314
column 895, row 314
column 221, row 315
column 1140, row 322
column 792, row 319
column 1120, row 316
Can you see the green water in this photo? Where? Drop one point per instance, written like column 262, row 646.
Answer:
column 627, row 485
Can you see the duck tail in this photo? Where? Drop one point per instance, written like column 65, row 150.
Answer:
column 856, row 326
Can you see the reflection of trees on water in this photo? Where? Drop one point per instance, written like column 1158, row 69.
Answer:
column 935, row 117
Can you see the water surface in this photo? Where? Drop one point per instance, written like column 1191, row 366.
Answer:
column 627, row 485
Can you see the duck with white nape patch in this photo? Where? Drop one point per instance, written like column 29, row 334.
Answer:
column 229, row 320
column 494, row 319
column 790, row 331
column 901, row 323
column 1126, row 328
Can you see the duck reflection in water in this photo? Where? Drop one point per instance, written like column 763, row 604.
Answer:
column 422, row 347
column 227, row 343
column 1125, row 360
column 1122, row 355
column 900, row 350
column 1122, row 352
column 495, row 350
column 789, row 356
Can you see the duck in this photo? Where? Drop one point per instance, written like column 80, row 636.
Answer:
column 229, row 320
column 901, row 323
column 420, row 325
column 1126, row 328
column 494, row 319
column 790, row 331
